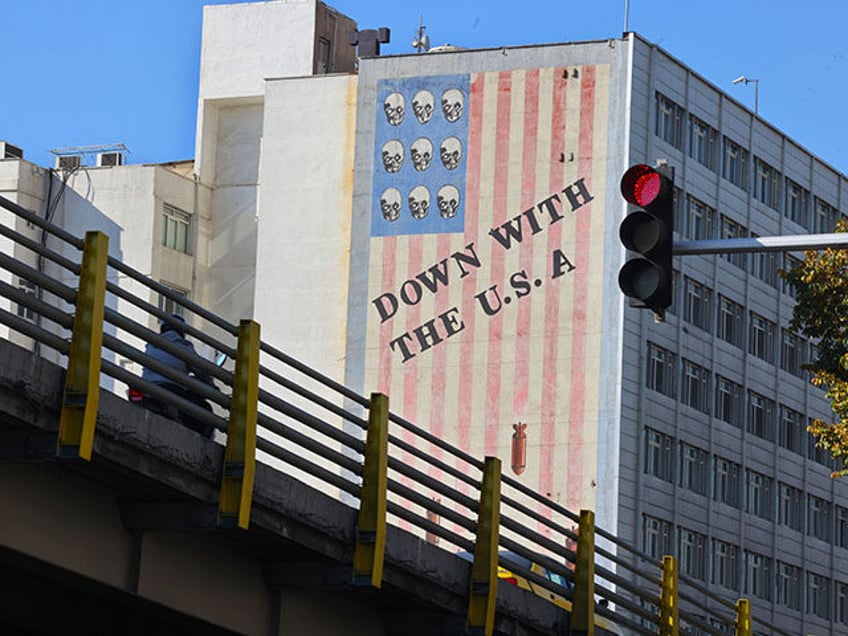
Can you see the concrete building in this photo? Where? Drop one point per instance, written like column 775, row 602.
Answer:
column 444, row 228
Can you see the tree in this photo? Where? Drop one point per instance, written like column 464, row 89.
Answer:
column 821, row 289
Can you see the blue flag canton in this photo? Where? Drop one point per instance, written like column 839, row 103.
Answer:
column 420, row 145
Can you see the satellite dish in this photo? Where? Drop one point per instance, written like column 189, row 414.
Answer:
column 422, row 43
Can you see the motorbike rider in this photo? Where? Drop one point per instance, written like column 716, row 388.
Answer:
column 173, row 330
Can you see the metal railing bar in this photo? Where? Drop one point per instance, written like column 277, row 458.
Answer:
column 436, row 441
column 313, row 422
column 305, row 465
column 435, row 463
column 337, row 410
column 415, row 497
column 440, row 487
column 626, row 602
column 704, row 591
column 42, row 223
column 31, row 330
column 40, row 249
column 44, row 309
column 40, row 279
column 315, row 375
column 309, row 444
column 420, row 522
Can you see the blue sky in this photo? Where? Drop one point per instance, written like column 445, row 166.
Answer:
column 106, row 71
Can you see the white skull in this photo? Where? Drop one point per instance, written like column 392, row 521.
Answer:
column 450, row 152
column 392, row 156
column 394, row 107
column 452, row 104
column 422, row 105
column 419, row 201
column 448, row 201
column 421, row 153
column 390, row 202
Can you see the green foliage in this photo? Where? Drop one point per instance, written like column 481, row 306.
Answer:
column 821, row 286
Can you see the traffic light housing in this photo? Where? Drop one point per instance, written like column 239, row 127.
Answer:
column 649, row 232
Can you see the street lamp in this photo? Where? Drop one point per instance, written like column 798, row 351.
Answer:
column 756, row 82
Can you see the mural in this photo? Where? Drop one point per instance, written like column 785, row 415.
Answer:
column 485, row 275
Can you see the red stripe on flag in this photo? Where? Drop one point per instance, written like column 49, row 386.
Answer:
column 438, row 380
column 581, row 292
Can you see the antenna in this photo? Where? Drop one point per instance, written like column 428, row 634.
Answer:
column 421, row 42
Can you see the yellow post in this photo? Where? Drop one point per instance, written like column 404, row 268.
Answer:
column 82, row 381
column 484, row 571
column 240, row 456
column 371, row 528
column 583, row 597
column 669, row 623
column 743, row 617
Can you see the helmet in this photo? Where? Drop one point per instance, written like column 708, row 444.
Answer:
column 175, row 322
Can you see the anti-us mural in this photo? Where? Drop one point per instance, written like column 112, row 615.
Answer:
column 485, row 264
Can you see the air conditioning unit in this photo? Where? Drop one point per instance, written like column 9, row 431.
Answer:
column 8, row 151
column 109, row 159
column 68, row 162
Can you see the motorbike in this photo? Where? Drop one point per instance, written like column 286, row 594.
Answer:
column 169, row 410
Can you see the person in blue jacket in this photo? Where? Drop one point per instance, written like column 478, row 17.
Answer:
column 173, row 330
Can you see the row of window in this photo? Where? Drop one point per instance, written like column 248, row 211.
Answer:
column 673, row 126
column 751, row 573
column 725, row 481
column 727, row 400
column 718, row 313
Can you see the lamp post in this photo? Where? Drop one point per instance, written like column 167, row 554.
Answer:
column 756, row 83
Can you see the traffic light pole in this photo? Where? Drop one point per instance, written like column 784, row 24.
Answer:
column 796, row 243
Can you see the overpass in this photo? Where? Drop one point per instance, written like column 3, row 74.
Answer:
column 312, row 510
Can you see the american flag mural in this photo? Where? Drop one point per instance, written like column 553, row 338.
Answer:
column 485, row 265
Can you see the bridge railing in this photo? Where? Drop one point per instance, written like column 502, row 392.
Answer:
column 93, row 313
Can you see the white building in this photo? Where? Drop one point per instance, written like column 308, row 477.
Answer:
column 444, row 228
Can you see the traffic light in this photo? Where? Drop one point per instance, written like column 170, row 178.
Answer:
column 648, row 231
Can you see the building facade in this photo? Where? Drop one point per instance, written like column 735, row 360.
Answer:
column 443, row 228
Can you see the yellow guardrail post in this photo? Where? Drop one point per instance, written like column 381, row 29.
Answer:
column 371, row 527
column 484, row 571
column 583, row 597
column 743, row 617
column 82, row 381
column 669, row 623
column 240, row 456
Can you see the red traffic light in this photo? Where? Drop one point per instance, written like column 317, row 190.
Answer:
column 642, row 185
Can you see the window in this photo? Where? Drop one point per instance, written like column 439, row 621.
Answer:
column 175, row 228
column 697, row 303
column 735, row 166
column 702, row 142
column 726, row 481
column 824, row 217
column 725, row 564
column 695, row 386
column 170, row 306
column 841, row 602
column 818, row 518
column 659, row 448
column 815, row 452
column 789, row 500
column 788, row 585
column 797, row 207
column 790, row 434
column 28, row 288
column 759, row 499
column 758, row 575
column 323, row 57
column 660, row 370
column 669, row 124
column 693, row 468
column 729, row 326
column 760, row 416
column 699, row 220
column 692, row 555
column 761, row 337
column 818, row 593
column 789, row 263
column 728, row 402
column 730, row 229
column 766, row 184
column 791, row 346
column 841, row 527
column 764, row 266
column 656, row 539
